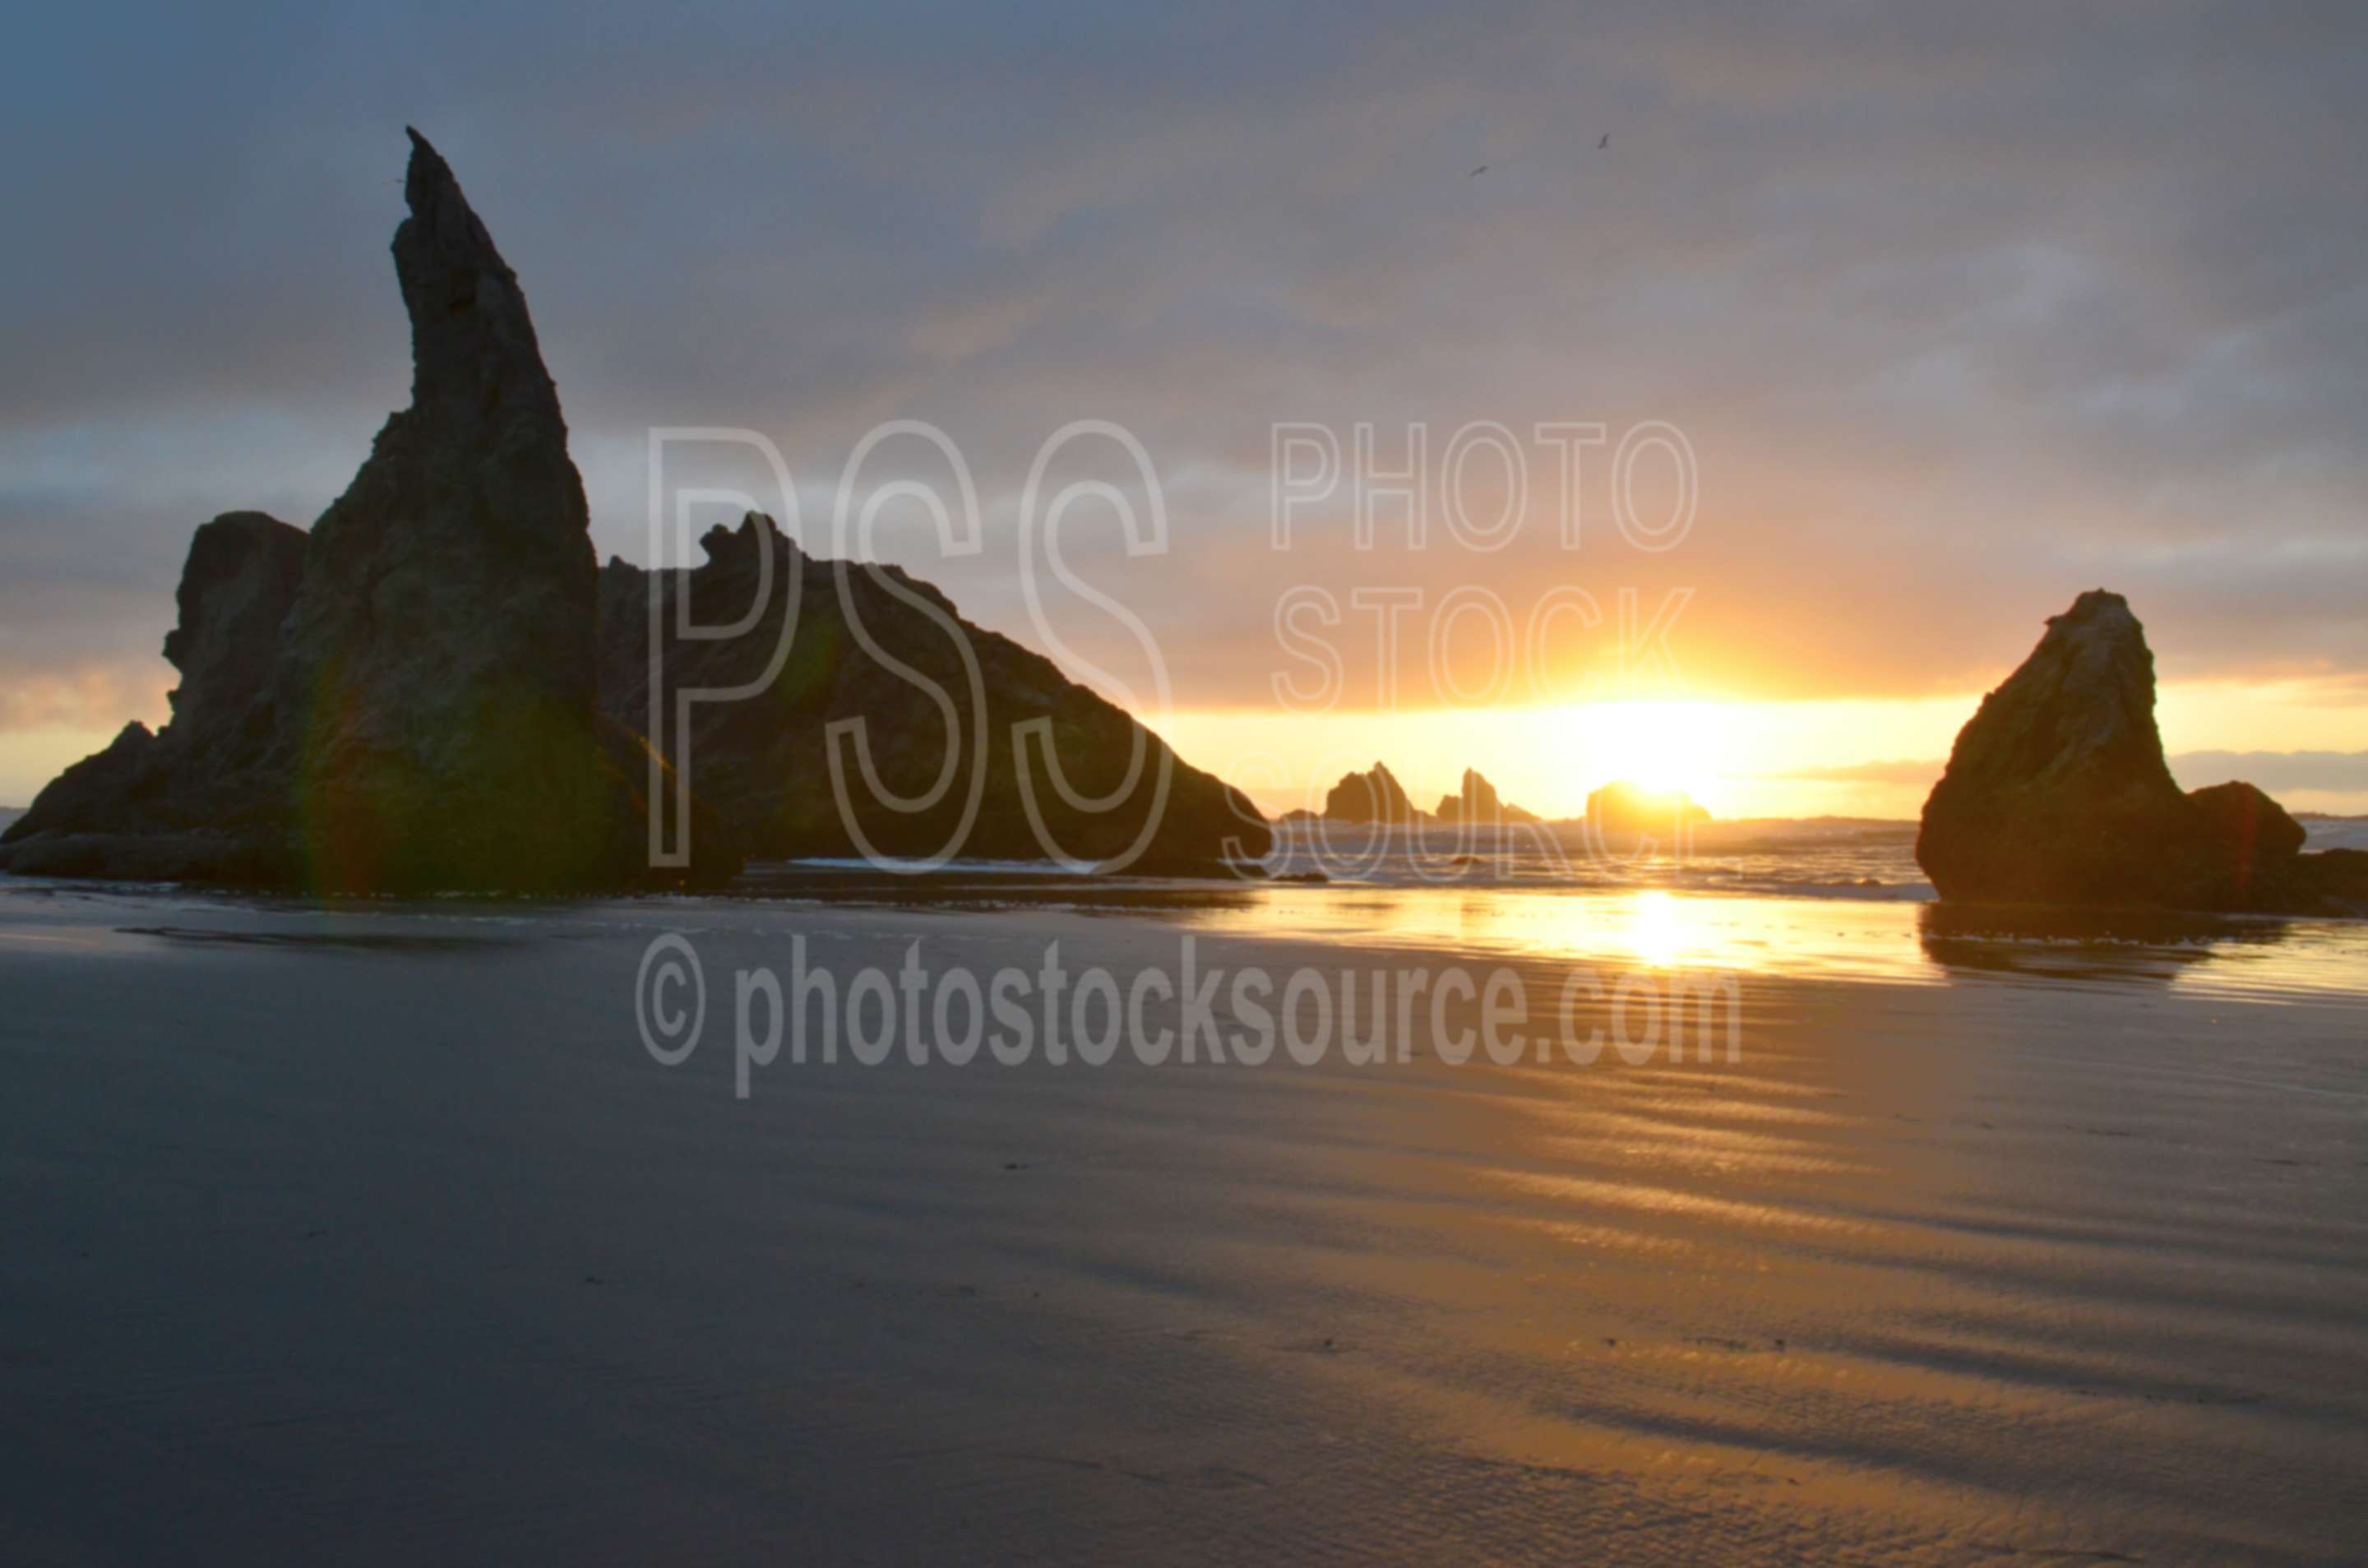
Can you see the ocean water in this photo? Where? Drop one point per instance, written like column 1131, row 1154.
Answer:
column 1844, row 859
column 1840, row 857
column 1840, row 900
column 1808, row 859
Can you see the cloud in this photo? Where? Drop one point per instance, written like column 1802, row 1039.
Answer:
column 2335, row 772
column 92, row 700
column 1964, row 311
column 1921, row 774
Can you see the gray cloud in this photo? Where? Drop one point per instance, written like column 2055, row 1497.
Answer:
column 1965, row 309
column 2336, row 772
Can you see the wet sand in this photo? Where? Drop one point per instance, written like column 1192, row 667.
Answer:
column 378, row 1236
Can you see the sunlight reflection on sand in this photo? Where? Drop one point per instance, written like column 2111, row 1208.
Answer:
column 1650, row 927
column 1842, row 938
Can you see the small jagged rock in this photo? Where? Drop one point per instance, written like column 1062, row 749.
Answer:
column 2334, row 879
column 201, row 799
column 1373, row 796
column 1478, row 804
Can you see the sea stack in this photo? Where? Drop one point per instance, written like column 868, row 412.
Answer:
column 1476, row 802
column 438, row 678
column 1477, row 805
column 403, row 700
column 438, row 688
column 1053, row 766
column 2057, row 792
column 1373, row 796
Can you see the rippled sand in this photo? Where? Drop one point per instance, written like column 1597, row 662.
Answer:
column 378, row 1236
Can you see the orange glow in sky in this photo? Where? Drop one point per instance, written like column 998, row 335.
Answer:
column 1841, row 758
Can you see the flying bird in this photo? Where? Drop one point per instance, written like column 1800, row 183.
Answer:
column 1481, row 170
column 1605, row 142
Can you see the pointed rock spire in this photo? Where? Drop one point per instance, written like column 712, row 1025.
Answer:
column 436, row 674
column 403, row 700
column 473, row 344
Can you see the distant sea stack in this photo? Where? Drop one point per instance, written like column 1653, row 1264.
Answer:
column 1477, row 805
column 1373, row 796
column 402, row 700
column 762, row 763
column 1624, row 807
column 2057, row 792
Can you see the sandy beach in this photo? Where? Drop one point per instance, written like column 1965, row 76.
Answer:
column 378, row 1235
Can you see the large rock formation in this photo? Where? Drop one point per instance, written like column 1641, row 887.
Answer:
column 406, row 701
column 865, row 640
column 438, row 681
column 2057, row 792
column 412, row 698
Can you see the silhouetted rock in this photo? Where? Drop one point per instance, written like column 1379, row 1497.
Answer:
column 411, row 698
column 1626, row 807
column 1478, row 804
column 2057, row 792
column 1373, row 796
column 201, row 799
column 440, row 659
column 2335, row 878
column 237, row 586
column 2241, row 837
column 406, row 701
column 762, row 760
column 107, row 786
column 1477, row 794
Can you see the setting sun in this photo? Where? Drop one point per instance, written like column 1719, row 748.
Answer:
column 1661, row 745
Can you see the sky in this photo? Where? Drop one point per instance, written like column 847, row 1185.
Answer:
column 1901, row 324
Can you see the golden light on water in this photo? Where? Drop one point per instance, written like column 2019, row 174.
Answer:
column 1638, row 928
column 1615, row 931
